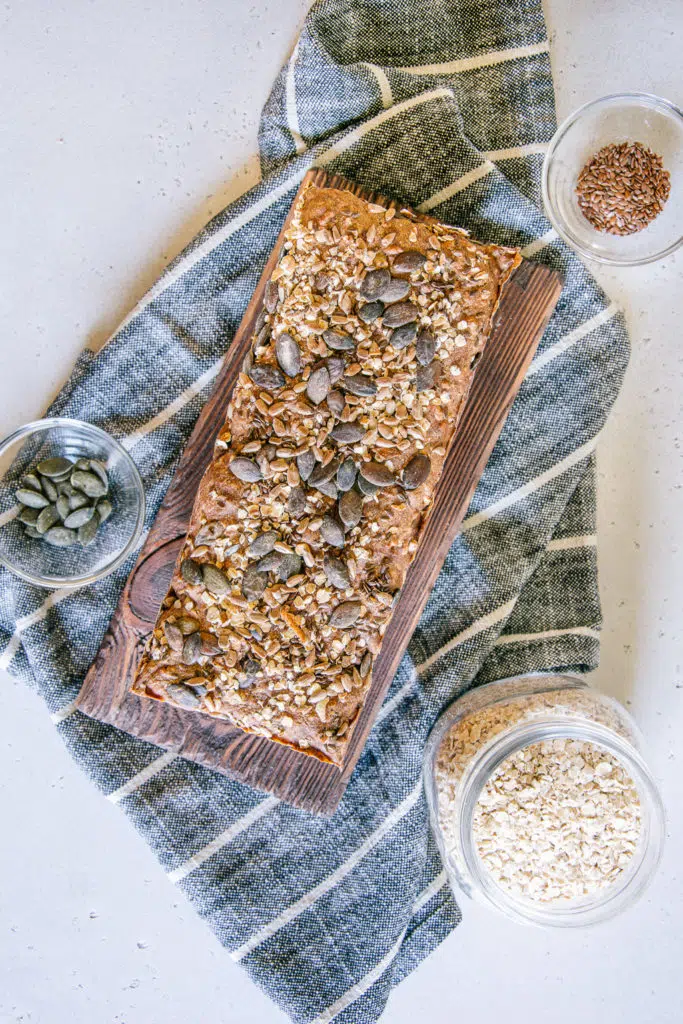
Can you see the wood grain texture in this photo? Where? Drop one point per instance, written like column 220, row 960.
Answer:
column 527, row 302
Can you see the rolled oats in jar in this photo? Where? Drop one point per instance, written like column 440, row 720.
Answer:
column 541, row 802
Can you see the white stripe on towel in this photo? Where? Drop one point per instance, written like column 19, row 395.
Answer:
column 393, row 703
column 198, row 254
column 328, row 883
column 572, row 337
column 459, row 185
column 382, row 82
column 483, row 60
column 362, row 986
column 7, row 656
column 586, row 540
column 539, row 243
column 548, row 634
column 431, row 891
column 142, row 777
column 516, row 152
column 354, row 136
column 5, row 517
column 173, row 407
column 368, row 980
column 63, row 713
column 478, row 626
column 578, row 455
column 223, row 839
column 485, row 622
column 29, row 620
column 290, row 102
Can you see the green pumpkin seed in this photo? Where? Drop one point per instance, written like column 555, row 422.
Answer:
column 318, row 384
column 416, row 471
column 79, row 518
column 28, row 516
column 183, row 696
column 345, row 614
column 54, row 468
column 377, row 474
column 296, row 502
column 305, row 463
column 60, row 537
column 63, row 506
column 50, row 489
column 191, row 571
column 31, row 498
column 77, row 500
column 104, row 510
column 270, row 562
column 86, row 533
column 31, row 531
column 336, row 572
column 253, row 584
column 32, row 482
column 246, row 470
column 408, row 262
column 374, row 283
column 83, row 464
column 351, row 508
column 365, row 487
column 62, row 477
column 263, row 544
column 215, row 581
column 89, row 483
column 321, row 474
column 192, row 649
column 174, row 636
column 97, row 467
column 47, row 518
column 289, row 566
column 331, row 532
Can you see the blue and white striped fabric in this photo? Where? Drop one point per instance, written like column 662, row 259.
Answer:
column 447, row 105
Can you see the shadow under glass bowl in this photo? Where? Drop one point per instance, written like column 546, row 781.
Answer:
column 626, row 117
column 33, row 559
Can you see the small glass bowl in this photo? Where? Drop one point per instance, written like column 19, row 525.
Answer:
column 627, row 117
column 550, row 707
column 35, row 560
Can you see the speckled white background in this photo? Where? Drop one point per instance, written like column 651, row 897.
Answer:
column 123, row 127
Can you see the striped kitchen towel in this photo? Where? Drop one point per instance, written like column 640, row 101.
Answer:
column 446, row 105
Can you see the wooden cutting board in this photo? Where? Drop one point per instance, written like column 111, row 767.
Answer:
column 527, row 302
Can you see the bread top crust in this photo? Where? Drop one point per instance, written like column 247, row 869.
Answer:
column 283, row 648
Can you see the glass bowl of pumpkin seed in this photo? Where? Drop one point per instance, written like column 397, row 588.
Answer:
column 72, row 504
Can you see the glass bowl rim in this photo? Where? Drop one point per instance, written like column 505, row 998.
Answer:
column 629, row 750
column 74, row 582
column 644, row 98
column 606, row 903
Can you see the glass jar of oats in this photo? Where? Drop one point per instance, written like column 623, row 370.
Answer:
column 541, row 802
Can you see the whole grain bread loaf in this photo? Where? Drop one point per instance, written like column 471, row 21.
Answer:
column 310, row 513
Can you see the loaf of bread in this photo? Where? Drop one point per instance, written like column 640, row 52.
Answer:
column 310, row 513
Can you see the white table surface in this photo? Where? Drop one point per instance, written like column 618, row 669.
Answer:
column 123, row 127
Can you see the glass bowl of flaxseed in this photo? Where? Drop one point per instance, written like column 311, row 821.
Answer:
column 613, row 179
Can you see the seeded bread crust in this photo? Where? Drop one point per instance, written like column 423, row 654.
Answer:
column 287, row 579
